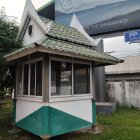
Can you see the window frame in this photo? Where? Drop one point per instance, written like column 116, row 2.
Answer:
column 29, row 62
column 72, row 61
column 90, row 74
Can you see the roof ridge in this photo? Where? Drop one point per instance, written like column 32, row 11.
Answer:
column 58, row 23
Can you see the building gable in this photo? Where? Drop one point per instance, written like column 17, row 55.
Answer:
column 32, row 33
column 30, row 17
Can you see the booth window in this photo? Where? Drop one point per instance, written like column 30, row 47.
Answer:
column 39, row 78
column 61, row 81
column 81, row 79
column 69, row 78
column 32, row 79
column 19, row 80
column 25, row 81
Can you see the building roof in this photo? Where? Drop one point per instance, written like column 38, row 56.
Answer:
column 47, row 10
column 63, row 32
column 45, row 5
column 57, row 46
column 66, row 41
column 131, row 64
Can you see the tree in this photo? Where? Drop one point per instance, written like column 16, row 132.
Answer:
column 6, row 77
column 8, row 34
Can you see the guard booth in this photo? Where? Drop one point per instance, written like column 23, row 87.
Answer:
column 55, row 88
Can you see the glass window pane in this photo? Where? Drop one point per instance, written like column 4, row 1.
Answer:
column 39, row 78
column 25, row 82
column 19, row 80
column 61, row 73
column 32, row 79
column 81, row 79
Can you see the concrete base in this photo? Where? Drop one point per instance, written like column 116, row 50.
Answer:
column 46, row 137
column 106, row 107
column 95, row 129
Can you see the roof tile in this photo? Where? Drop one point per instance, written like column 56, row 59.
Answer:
column 66, row 33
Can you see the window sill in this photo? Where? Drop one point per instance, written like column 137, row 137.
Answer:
column 70, row 98
column 31, row 99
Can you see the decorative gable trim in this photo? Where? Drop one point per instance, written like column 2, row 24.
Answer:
column 24, row 28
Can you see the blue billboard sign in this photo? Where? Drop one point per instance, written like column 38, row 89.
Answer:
column 100, row 16
column 132, row 36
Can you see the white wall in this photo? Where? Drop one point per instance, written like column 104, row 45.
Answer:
column 25, row 108
column 125, row 92
column 81, row 108
column 37, row 34
column 78, row 108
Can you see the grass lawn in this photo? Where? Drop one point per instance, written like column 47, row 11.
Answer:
column 122, row 125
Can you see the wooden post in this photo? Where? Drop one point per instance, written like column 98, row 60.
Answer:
column 14, row 129
column 94, row 128
column 15, row 91
column 45, row 78
column 94, row 125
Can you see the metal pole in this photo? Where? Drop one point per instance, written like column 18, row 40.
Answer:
column 100, row 78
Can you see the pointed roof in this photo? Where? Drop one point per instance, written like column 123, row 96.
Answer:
column 61, row 40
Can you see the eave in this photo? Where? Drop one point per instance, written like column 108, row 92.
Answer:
column 37, row 48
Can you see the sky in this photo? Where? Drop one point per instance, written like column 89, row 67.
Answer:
column 115, row 45
column 15, row 7
column 119, row 48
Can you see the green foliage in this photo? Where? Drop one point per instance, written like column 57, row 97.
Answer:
column 124, row 124
column 8, row 34
column 6, row 77
column 6, row 115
